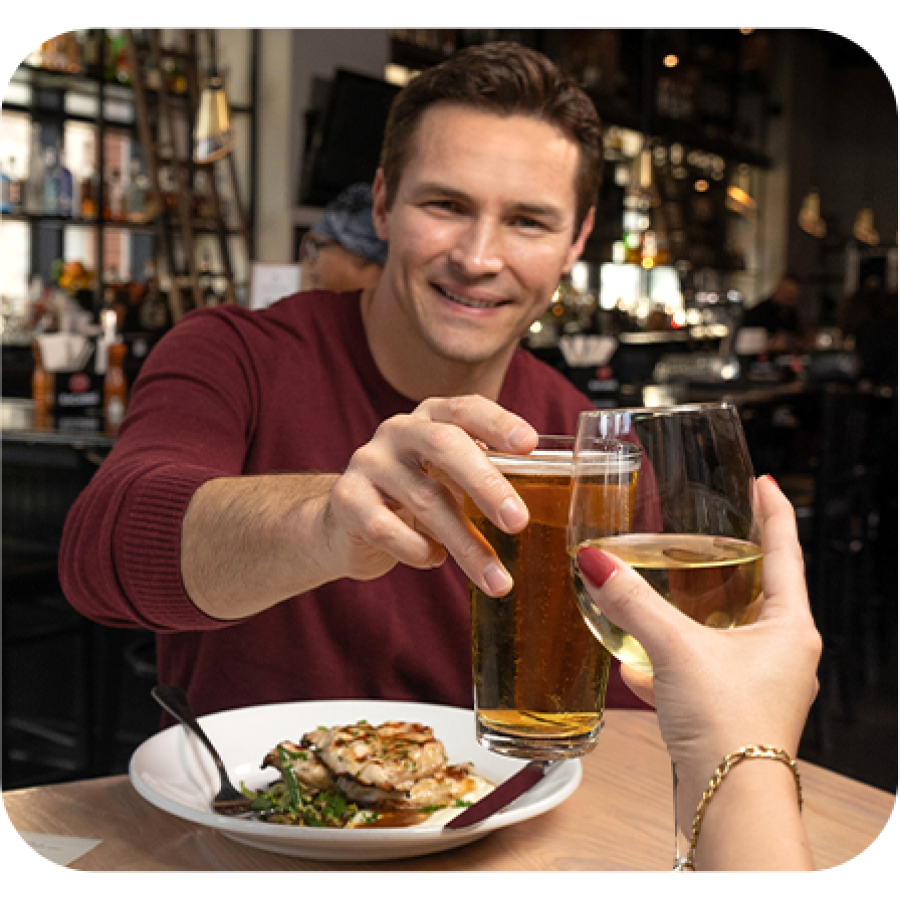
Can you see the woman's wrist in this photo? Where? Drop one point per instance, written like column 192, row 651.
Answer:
column 752, row 820
column 748, row 800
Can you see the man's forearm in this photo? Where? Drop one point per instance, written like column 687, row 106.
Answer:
column 251, row 542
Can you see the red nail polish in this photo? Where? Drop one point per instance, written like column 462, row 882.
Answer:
column 595, row 565
column 771, row 479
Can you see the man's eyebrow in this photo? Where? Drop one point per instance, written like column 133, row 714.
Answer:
column 437, row 187
column 538, row 210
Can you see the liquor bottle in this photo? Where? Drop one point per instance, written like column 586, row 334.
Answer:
column 114, row 197
column 72, row 52
column 136, row 200
column 5, row 200
column 115, row 388
column 42, row 391
column 207, row 291
column 52, row 183
column 49, row 54
column 16, row 187
column 114, row 39
column 66, row 187
column 154, row 313
column 89, row 196
column 34, row 187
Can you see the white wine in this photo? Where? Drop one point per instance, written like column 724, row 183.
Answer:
column 714, row 580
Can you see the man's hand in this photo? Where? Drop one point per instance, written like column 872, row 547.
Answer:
column 250, row 542
column 400, row 499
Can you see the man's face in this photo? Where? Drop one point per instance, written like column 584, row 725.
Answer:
column 481, row 228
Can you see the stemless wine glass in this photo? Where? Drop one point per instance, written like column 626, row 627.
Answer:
column 694, row 535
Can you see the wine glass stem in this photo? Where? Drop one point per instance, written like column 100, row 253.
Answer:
column 679, row 857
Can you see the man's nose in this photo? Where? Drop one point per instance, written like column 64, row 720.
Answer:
column 479, row 249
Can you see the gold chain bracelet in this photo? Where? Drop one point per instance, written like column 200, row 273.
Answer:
column 756, row 751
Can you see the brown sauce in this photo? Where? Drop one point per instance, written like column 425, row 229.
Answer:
column 397, row 818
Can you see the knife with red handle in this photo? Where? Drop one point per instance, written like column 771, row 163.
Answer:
column 504, row 794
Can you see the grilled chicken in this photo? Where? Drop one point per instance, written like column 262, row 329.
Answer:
column 310, row 772
column 397, row 765
column 434, row 790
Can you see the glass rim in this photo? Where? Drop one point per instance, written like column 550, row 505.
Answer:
column 621, row 456
column 657, row 410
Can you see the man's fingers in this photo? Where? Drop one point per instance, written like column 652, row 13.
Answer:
column 418, row 533
column 404, row 491
column 426, row 443
column 482, row 419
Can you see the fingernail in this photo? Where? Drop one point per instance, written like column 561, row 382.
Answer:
column 497, row 579
column 771, row 479
column 595, row 565
column 513, row 514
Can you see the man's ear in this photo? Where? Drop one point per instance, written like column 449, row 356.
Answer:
column 379, row 206
column 577, row 248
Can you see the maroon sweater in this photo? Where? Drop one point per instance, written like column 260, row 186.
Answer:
column 288, row 389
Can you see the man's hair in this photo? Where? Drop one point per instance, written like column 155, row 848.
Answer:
column 507, row 79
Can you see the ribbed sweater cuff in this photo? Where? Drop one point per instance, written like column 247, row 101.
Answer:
column 148, row 545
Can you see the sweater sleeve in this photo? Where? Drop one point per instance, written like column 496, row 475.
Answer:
column 191, row 419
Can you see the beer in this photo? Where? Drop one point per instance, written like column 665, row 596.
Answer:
column 540, row 675
column 714, row 580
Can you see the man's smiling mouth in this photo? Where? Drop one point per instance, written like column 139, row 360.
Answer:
column 468, row 301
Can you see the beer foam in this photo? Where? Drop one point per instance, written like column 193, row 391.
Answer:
column 560, row 462
column 541, row 462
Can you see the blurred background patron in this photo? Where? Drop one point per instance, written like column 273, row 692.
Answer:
column 342, row 252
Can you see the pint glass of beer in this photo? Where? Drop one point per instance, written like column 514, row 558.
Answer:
column 540, row 674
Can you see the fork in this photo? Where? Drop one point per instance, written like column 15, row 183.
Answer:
column 229, row 801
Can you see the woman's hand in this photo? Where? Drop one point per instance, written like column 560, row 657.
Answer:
column 716, row 690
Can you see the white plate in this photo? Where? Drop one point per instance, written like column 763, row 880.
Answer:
column 174, row 772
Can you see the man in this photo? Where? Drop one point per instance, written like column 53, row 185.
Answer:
column 282, row 499
column 342, row 252
column 778, row 314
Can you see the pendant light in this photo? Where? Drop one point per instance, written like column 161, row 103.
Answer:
column 213, row 135
column 864, row 227
column 738, row 198
column 810, row 218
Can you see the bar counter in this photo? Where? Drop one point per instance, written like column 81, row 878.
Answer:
column 23, row 425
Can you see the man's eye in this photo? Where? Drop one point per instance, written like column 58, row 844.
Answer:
column 528, row 223
column 445, row 205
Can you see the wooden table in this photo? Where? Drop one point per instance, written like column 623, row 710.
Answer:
column 619, row 818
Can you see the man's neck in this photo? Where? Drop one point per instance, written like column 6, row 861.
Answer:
column 409, row 365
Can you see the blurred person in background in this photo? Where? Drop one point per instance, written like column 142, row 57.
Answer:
column 342, row 251
column 778, row 315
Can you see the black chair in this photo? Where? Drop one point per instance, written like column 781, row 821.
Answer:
column 50, row 668
column 833, row 489
column 63, row 675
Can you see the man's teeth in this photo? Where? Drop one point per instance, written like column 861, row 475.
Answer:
column 466, row 301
